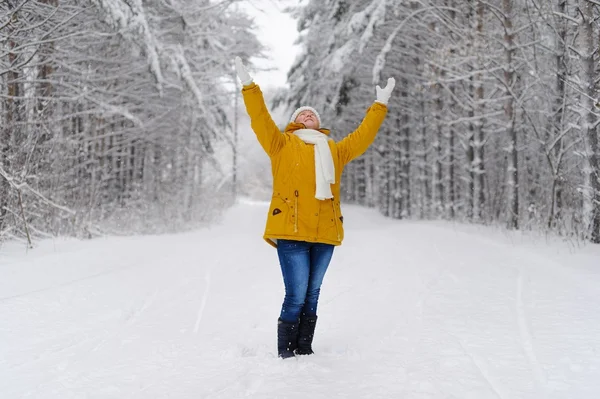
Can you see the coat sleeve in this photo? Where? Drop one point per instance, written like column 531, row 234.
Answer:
column 357, row 142
column 267, row 132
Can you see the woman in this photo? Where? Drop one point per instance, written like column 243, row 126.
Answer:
column 305, row 221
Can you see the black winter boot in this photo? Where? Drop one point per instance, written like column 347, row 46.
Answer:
column 287, row 338
column 306, row 332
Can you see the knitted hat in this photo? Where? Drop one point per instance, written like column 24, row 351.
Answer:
column 305, row 108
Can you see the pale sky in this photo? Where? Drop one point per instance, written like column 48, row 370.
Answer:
column 277, row 31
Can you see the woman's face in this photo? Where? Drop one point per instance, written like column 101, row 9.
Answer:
column 308, row 118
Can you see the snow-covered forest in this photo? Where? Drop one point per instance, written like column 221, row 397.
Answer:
column 495, row 116
column 111, row 110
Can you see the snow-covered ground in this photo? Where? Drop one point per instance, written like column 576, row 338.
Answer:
column 407, row 310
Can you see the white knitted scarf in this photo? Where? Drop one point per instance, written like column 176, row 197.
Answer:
column 324, row 167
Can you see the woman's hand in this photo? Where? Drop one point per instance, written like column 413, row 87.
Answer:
column 242, row 73
column 383, row 95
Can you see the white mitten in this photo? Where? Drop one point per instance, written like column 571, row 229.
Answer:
column 383, row 95
column 242, row 73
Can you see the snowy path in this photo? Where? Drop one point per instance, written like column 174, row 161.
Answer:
column 408, row 310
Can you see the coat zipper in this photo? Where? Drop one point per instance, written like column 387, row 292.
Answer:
column 296, row 212
column 336, row 219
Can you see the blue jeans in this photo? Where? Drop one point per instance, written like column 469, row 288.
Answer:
column 303, row 265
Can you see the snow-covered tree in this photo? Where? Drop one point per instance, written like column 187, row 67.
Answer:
column 589, row 54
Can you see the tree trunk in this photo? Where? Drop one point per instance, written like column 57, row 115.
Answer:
column 470, row 160
column 438, row 172
column 397, row 157
column 558, row 112
column 509, row 111
column 424, row 177
column 438, row 200
column 361, row 181
column 46, row 50
column 479, row 147
column 406, row 197
column 235, row 144
column 451, row 170
column 11, row 106
column 384, row 177
column 371, row 179
column 589, row 61
column 471, row 166
column 452, row 183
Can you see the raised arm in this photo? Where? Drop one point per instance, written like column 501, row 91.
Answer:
column 267, row 132
column 357, row 142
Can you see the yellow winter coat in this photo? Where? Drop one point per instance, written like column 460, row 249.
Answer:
column 295, row 213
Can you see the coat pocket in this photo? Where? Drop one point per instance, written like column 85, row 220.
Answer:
column 278, row 220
